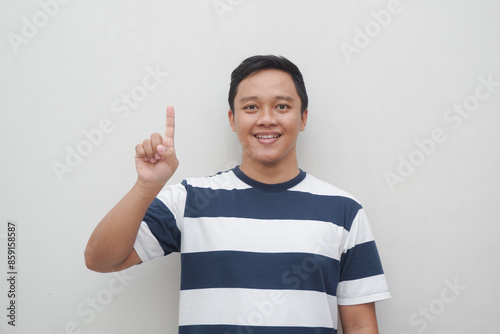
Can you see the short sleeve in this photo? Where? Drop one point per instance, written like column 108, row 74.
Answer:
column 160, row 230
column 362, row 278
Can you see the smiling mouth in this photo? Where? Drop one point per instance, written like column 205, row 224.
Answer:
column 267, row 136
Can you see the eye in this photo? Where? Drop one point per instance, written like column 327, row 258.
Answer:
column 250, row 107
column 282, row 107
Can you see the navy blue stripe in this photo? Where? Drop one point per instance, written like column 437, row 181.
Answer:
column 233, row 329
column 253, row 203
column 162, row 224
column 232, row 269
column 360, row 261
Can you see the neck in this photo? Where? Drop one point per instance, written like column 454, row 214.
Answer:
column 270, row 174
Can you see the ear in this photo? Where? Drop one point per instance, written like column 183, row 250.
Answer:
column 303, row 121
column 230, row 115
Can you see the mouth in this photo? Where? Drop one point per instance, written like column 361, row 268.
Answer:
column 267, row 136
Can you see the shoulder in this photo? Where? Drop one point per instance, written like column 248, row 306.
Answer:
column 338, row 205
column 316, row 186
column 225, row 180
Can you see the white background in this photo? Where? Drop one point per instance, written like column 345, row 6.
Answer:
column 65, row 68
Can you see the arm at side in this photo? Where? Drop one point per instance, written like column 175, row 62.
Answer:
column 111, row 245
column 359, row 319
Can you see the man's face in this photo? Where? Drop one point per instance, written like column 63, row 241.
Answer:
column 267, row 118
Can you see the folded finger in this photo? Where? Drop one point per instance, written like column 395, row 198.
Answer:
column 149, row 150
column 140, row 152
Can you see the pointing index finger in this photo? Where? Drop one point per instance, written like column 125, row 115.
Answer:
column 170, row 126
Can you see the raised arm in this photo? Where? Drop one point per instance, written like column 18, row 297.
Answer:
column 111, row 245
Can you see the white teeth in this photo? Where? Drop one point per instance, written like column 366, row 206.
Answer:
column 267, row 136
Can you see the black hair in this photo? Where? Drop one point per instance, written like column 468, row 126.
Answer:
column 264, row 62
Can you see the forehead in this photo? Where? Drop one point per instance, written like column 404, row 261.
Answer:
column 267, row 82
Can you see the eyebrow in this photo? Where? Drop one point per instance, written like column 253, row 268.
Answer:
column 279, row 97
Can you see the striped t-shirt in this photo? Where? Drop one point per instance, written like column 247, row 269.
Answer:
column 263, row 258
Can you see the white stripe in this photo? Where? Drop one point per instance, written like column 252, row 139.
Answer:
column 364, row 290
column 360, row 231
column 174, row 198
column 255, row 235
column 146, row 245
column 253, row 307
column 226, row 181
column 320, row 187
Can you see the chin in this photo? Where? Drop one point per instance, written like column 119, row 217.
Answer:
column 269, row 161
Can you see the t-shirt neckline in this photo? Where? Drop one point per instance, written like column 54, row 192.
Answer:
column 274, row 187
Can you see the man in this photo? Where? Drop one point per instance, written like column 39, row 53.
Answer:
column 265, row 247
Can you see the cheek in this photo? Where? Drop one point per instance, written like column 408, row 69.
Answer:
column 295, row 124
column 242, row 126
column 238, row 130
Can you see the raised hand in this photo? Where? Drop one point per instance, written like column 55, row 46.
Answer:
column 155, row 158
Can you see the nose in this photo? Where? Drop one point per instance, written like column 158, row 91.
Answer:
column 267, row 117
